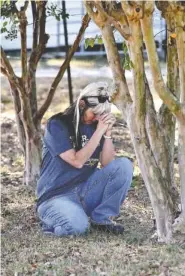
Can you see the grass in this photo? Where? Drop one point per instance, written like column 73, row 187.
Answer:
column 26, row 251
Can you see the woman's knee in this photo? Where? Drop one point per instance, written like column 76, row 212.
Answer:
column 124, row 164
column 72, row 227
column 63, row 217
column 127, row 164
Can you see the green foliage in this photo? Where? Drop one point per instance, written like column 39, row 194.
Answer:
column 2, row 2
column 58, row 13
column 126, row 61
column 10, row 20
column 91, row 41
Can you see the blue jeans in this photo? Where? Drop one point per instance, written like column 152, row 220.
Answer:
column 99, row 198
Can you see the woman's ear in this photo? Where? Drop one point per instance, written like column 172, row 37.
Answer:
column 82, row 104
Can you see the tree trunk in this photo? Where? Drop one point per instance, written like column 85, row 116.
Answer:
column 31, row 146
column 32, row 160
column 17, row 108
column 32, row 151
column 166, row 119
column 179, row 224
column 180, row 22
column 121, row 96
column 152, row 154
column 157, row 185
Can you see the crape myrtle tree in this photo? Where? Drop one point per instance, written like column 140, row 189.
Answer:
column 24, row 88
column 152, row 132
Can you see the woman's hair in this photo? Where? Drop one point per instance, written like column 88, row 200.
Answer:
column 88, row 93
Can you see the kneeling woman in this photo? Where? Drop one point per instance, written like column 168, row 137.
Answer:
column 71, row 188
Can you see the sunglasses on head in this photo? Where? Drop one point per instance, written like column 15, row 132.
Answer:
column 101, row 99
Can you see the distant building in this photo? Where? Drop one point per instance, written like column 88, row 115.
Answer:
column 76, row 10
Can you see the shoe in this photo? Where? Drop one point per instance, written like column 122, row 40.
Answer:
column 46, row 229
column 113, row 228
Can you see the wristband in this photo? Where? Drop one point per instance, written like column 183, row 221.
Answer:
column 107, row 137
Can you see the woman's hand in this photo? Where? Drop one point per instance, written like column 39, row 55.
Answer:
column 108, row 119
column 102, row 125
column 106, row 122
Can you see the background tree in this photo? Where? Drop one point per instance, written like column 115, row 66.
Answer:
column 152, row 132
column 24, row 89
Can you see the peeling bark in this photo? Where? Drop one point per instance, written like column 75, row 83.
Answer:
column 121, row 96
column 166, row 119
column 17, row 108
column 156, row 185
column 168, row 98
column 180, row 23
column 32, row 160
column 150, row 146
column 150, row 152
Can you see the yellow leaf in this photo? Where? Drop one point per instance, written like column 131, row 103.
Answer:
column 174, row 35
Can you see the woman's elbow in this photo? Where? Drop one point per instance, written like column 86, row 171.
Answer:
column 78, row 164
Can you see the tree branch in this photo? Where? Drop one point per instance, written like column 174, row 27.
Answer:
column 38, row 31
column 136, row 46
column 4, row 72
column 65, row 64
column 24, row 8
column 121, row 96
column 39, row 20
column 9, row 70
column 111, row 20
column 42, row 21
column 89, row 8
column 168, row 98
column 23, row 31
column 180, row 39
column 35, row 15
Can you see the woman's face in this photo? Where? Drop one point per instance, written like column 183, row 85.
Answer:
column 89, row 116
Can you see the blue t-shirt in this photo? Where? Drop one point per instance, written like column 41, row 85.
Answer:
column 56, row 175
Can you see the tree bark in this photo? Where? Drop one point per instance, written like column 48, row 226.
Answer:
column 180, row 23
column 156, row 183
column 166, row 119
column 151, row 152
column 168, row 98
column 17, row 108
column 32, row 159
column 121, row 96
column 155, row 179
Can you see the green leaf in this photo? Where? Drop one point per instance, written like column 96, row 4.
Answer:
column 127, row 66
column 5, row 23
column 3, row 1
column 3, row 30
column 86, row 43
column 124, row 47
column 65, row 15
column 91, row 42
column 131, row 64
column 100, row 40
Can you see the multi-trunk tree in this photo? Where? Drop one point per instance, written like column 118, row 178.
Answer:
column 24, row 88
column 152, row 132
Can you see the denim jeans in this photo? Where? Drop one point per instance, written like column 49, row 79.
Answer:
column 98, row 199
